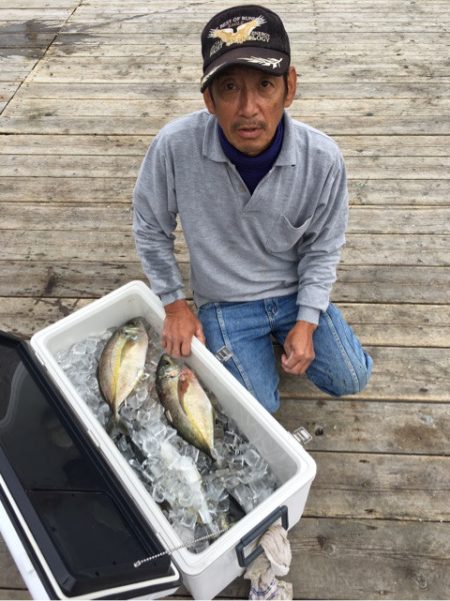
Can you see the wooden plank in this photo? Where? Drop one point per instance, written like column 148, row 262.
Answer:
column 20, row 42
column 14, row 594
column 364, row 485
column 292, row 17
column 376, row 325
column 398, row 192
column 17, row 62
column 42, row 120
column 90, row 145
column 401, row 374
column 400, row 325
column 67, row 216
column 34, row 14
column 350, row 55
column 199, row 5
column 361, row 249
column 63, row 189
column 7, row 89
column 43, row 5
column 150, row 110
column 190, row 89
column 10, row 577
column 72, row 166
column 140, row 68
column 66, row 279
column 363, row 426
column 372, row 168
column 136, row 145
column 23, row 317
column 394, row 146
column 392, row 249
column 303, row 53
column 96, row 189
column 392, row 220
column 391, row 284
column 326, row 38
column 287, row 11
column 371, row 284
column 135, row 25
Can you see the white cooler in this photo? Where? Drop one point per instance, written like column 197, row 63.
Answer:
column 75, row 529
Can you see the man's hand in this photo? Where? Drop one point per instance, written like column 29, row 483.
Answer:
column 179, row 326
column 299, row 348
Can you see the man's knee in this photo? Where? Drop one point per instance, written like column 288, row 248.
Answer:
column 354, row 380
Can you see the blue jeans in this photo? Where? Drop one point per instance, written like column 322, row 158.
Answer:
column 243, row 333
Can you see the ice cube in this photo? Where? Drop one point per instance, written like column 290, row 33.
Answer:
column 188, row 519
column 159, row 493
column 189, row 450
column 185, row 496
column 251, row 457
column 244, row 497
column 79, row 349
column 90, row 345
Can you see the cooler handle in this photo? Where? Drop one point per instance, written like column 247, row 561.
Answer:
column 257, row 532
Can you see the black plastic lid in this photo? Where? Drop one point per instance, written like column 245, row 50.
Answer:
column 83, row 520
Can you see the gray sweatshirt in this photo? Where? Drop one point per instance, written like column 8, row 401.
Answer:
column 283, row 238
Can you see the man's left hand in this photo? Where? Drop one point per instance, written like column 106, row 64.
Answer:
column 299, row 348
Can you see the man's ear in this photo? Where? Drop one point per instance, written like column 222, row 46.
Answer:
column 292, row 87
column 209, row 102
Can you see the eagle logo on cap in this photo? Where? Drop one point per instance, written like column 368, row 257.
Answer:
column 241, row 35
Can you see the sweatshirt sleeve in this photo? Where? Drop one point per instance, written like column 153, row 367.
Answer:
column 154, row 221
column 321, row 249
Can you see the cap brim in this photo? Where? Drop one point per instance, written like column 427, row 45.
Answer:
column 264, row 59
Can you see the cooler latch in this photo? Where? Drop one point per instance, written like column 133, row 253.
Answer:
column 302, row 436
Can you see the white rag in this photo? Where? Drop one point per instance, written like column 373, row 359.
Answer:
column 275, row 561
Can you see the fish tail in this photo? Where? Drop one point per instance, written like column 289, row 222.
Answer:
column 116, row 425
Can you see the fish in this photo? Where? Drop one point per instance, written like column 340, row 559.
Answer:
column 187, row 407
column 121, row 364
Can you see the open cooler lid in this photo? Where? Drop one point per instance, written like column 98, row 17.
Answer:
column 80, row 528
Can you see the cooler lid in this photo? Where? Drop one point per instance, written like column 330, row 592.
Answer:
column 80, row 527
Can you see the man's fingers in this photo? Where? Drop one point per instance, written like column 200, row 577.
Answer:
column 293, row 364
column 200, row 335
column 177, row 341
column 186, row 348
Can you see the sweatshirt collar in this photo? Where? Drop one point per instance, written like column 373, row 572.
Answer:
column 212, row 147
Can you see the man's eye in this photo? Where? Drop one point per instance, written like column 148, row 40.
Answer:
column 229, row 86
column 266, row 83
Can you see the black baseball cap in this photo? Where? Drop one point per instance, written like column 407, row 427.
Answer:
column 244, row 35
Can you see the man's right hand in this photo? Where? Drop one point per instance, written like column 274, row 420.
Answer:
column 179, row 326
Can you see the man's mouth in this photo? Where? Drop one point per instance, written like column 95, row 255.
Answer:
column 249, row 132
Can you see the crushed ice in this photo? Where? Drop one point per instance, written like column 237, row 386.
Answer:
column 197, row 495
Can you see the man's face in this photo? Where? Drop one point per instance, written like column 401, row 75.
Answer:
column 249, row 104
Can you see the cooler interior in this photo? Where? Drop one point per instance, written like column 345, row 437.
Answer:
column 137, row 300
column 82, row 531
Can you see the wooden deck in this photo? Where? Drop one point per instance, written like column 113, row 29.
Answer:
column 84, row 86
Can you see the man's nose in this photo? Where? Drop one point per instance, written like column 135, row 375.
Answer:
column 248, row 103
